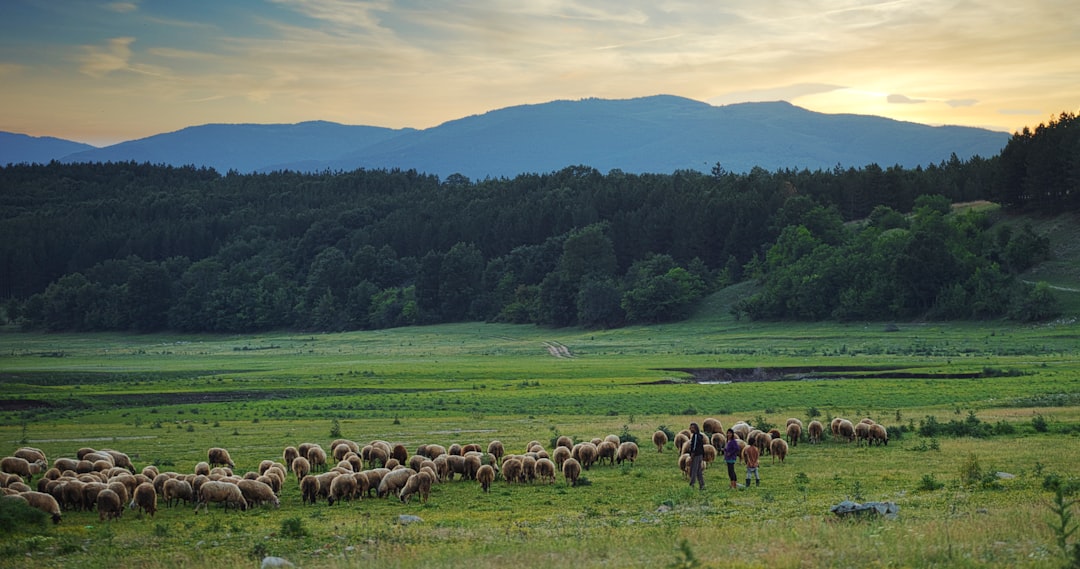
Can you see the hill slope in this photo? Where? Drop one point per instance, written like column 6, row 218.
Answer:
column 19, row 148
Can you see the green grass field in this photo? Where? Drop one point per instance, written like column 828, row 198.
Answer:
column 166, row 399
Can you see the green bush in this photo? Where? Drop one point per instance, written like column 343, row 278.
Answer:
column 17, row 515
column 294, row 527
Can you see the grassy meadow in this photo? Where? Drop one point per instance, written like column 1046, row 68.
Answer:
column 165, row 399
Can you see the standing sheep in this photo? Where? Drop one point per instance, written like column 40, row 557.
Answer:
column 485, row 476
column 145, row 498
column 778, row 448
column 559, row 455
column 587, row 455
column 43, row 502
column 20, row 466
column 222, row 492
column 794, row 432
column 219, row 456
column 301, row 468
column 257, row 493
column 109, row 505
column 571, row 470
column 513, row 471
column 710, row 426
column 627, row 451
column 176, row 490
column 606, row 450
column 845, row 430
column 814, row 431
column 342, row 488
column 419, row 483
column 659, row 438
column 289, row 455
column 879, row 435
column 309, row 489
column 316, row 457
column 862, row 432
column 545, row 470
column 394, row 481
column 496, row 448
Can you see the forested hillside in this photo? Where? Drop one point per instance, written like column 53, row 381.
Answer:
column 140, row 247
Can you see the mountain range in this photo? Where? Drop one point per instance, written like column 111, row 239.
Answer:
column 657, row 134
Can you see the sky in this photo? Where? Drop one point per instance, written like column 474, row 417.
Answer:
column 103, row 72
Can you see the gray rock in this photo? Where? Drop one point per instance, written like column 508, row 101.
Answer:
column 849, row 508
column 275, row 563
column 1005, row 475
column 406, row 519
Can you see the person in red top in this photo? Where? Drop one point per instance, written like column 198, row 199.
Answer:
column 751, row 455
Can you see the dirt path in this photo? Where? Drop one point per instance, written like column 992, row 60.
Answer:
column 558, row 350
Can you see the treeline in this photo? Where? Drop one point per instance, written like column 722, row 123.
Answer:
column 140, row 247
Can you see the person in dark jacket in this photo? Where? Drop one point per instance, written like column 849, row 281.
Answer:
column 731, row 454
column 697, row 456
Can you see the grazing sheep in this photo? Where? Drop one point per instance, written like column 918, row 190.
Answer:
column 73, row 497
column 220, row 492
column 545, row 470
column 455, row 450
column 316, row 457
column 393, row 482
column 496, row 449
column 301, row 468
column 742, row 428
column 257, row 493
column 20, row 466
column 718, row 440
column 794, row 432
column 834, row 426
column 878, row 435
column 845, row 430
column 400, row 453
column 120, row 459
column 862, row 433
column 419, row 483
column 571, row 470
column 684, row 464
column 710, row 453
column 363, row 484
column 416, row 460
column 176, row 490
column 564, row 441
column 353, row 445
column 513, row 471
column 528, row 468
column 794, row 421
column 289, row 455
column 202, row 468
column 392, row 464
column 559, row 456
column 325, row 480
column 485, row 476
column 710, row 426
column 144, row 498
column 377, row 455
column 339, row 451
column 778, row 448
column 31, row 455
column 150, row 471
column 44, row 502
column 587, row 455
column 342, row 488
column 309, row 489
column 120, row 488
column 680, row 441
column 606, row 450
column 659, row 438
column 814, row 431
column 472, row 464
column 63, row 464
column 435, row 451
column 375, row 476
column 456, row 464
column 627, row 451
column 471, row 447
column 219, row 456
column 109, row 505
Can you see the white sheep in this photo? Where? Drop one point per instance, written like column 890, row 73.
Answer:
column 220, row 492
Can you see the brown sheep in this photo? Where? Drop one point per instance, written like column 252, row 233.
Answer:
column 63, row 464
column 710, row 453
column 43, row 502
column 513, row 471
column 455, row 450
column 718, row 440
column 545, row 470
column 145, row 498
column 301, row 468
column 342, row 488
column 202, row 468
column 375, row 476
column 878, row 435
column 121, row 490
column 606, row 450
column 221, row 492
column 627, row 451
column 710, row 426
column 472, row 464
column 834, row 426
column 845, row 430
column 219, row 456
column 416, row 461
column 564, row 441
column 419, row 483
column 794, row 432
column 587, row 455
column 485, row 476
column 325, row 480
column 659, row 438
column 176, row 490
column 363, row 484
column 31, row 455
column 393, row 482
column 471, row 447
column 289, row 455
column 684, row 464
column 400, row 453
column 353, row 445
column 862, row 432
column 121, row 460
column 316, row 457
column 571, row 470
column 814, row 431
column 778, row 448
column 20, row 466
column 742, row 428
column 309, row 489
column 109, row 505
column 559, row 456
column 273, row 480
column 680, row 441
column 257, row 493
column 496, row 449
column 528, row 468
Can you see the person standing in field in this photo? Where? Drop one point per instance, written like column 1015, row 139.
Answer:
column 731, row 454
column 697, row 456
column 751, row 455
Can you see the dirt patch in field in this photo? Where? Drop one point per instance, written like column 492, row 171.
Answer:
column 758, row 374
column 22, row 404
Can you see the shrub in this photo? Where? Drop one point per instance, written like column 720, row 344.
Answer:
column 16, row 515
column 294, row 527
column 1039, row 423
column 929, row 483
column 626, row 435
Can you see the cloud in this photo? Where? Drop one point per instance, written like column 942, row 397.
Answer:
column 122, row 7
column 100, row 61
column 1020, row 112
column 903, row 100
column 954, row 103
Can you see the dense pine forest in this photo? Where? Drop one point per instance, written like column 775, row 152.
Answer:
column 126, row 246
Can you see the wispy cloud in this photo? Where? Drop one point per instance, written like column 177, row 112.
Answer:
column 122, row 7
column 897, row 99
column 99, row 61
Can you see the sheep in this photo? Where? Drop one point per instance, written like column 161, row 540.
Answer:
column 73, row 497
column 814, row 431
column 472, row 464
column 416, row 460
column 31, row 454
column 528, row 468
column 559, row 456
column 400, row 453
column 659, row 438
column 109, row 505
column 20, row 466
column 545, row 470
column 289, row 455
column 456, row 464
column 309, row 489
column 144, row 498
column 392, row 464
column 485, row 476
column 710, row 426
column 571, row 470
column 834, row 426
column 778, row 448
column 63, row 464
column 353, row 445
column 150, row 471
column 455, row 450
column 222, row 492
column 794, row 432
column 202, row 468
column 316, row 456
column 341, row 488
column 862, row 432
column 564, row 441
column 121, row 460
column 257, row 493
column 271, row 480
column 363, row 484
column 19, row 486
column 496, row 449
column 845, row 429
column 627, row 451
column 339, row 451
column 301, row 468
column 120, row 488
column 512, row 470
column 679, row 441
column 325, row 480
column 742, row 428
column 794, row 421
column 377, row 455
column 879, row 435
column 394, row 481
column 419, row 483
column 606, row 450
column 176, row 489
column 710, row 453
column 434, row 451
column 374, row 477
column 44, row 502
column 587, row 455
column 219, row 456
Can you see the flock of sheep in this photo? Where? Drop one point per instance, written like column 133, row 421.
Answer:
column 106, row 480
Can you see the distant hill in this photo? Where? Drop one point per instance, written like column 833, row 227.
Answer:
column 658, row 134
column 19, row 148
